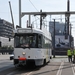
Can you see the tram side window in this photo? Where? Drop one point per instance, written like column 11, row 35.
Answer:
column 46, row 43
column 40, row 41
column 50, row 44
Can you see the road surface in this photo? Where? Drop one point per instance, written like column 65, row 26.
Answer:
column 57, row 66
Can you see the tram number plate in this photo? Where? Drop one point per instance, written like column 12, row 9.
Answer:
column 22, row 61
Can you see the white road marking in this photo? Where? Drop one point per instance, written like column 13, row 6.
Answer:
column 29, row 73
column 73, row 68
column 26, row 73
column 60, row 69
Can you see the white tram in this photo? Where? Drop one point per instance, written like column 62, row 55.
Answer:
column 32, row 46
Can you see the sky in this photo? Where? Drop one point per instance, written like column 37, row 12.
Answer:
column 35, row 6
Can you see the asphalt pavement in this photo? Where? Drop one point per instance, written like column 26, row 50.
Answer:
column 57, row 66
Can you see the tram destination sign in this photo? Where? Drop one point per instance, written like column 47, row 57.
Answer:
column 24, row 30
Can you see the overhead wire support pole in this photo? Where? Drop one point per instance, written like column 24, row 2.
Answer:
column 68, row 21
column 20, row 13
column 69, row 29
column 66, row 35
column 29, row 21
column 70, row 36
column 68, row 9
column 54, row 41
column 41, row 20
column 11, row 14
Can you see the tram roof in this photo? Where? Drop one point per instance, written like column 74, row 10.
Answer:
column 44, row 31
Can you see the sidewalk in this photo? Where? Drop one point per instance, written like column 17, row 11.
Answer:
column 3, row 57
column 60, row 56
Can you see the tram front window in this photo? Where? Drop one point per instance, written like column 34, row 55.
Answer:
column 26, row 41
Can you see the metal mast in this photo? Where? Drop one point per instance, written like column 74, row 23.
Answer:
column 41, row 20
column 68, row 9
column 11, row 14
column 20, row 13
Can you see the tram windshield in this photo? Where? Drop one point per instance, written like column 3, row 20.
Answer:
column 25, row 40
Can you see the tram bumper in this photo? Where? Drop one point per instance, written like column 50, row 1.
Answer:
column 39, row 62
column 22, row 61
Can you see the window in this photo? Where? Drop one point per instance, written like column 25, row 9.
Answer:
column 26, row 40
column 46, row 42
column 39, row 41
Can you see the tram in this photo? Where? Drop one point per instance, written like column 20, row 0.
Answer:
column 32, row 46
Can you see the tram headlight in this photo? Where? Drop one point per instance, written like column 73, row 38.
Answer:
column 23, row 53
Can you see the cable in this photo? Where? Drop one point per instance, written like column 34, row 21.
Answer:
column 33, row 5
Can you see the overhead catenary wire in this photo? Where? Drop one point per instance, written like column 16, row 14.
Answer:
column 61, row 18
column 55, row 18
column 35, row 8
column 33, row 5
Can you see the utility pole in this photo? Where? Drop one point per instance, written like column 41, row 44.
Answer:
column 67, row 28
column 68, row 9
column 54, row 41
column 67, row 17
column 70, row 36
column 20, row 13
column 66, row 33
column 41, row 20
column 29, row 21
column 68, row 25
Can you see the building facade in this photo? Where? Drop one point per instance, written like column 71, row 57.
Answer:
column 59, row 28
column 6, row 31
column 60, row 41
